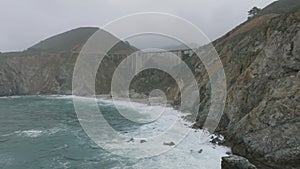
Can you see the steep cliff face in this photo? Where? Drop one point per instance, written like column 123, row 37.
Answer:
column 36, row 74
column 263, row 104
column 262, row 115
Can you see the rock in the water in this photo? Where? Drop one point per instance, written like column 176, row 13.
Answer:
column 236, row 162
column 217, row 140
column 228, row 153
column 143, row 141
column 131, row 140
column 169, row 143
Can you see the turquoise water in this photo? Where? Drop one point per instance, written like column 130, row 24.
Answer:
column 43, row 132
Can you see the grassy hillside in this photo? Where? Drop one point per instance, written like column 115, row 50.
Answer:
column 65, row 41
column 280, row 7
column 73, row 40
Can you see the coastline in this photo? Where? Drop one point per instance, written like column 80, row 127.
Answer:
column 143, row 100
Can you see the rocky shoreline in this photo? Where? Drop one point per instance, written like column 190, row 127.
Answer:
column 228, row 162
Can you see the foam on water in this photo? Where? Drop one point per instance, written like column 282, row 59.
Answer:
column 31, row 133
column 190, row 153
column 9, row 97
column 34, row 132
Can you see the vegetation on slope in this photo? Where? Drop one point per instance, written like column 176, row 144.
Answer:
column 280, row 7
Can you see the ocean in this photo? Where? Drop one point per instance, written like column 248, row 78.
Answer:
column 44, row 132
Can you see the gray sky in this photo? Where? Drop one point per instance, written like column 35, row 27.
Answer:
column 26, row 22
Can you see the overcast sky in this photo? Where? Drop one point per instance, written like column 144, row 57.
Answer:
column 26, row 22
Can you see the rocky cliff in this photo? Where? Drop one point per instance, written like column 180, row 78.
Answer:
column 261, row 58
column 261, row 119
column 47, row 67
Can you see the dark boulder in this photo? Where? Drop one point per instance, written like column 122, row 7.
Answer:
column 236, row 162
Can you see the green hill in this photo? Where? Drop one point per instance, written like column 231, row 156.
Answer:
column 280, row 7
column 65, row 41
column 73, row 40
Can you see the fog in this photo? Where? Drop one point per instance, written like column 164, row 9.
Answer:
column 24, row 23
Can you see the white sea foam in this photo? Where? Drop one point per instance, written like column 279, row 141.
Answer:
column 31, row 133
column 192, row 152
column 10, row 97
column 66, row 97
column 34, row 132
column 184, row 154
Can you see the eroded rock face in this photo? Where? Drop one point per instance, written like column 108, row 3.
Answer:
column 35, row 74
column 264, row 102
column 48, row 73
column 261, row 119
column 236, row 162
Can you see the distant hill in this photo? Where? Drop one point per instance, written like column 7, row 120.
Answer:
column 47, row 67
column 65, row 40
column 74, row 40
